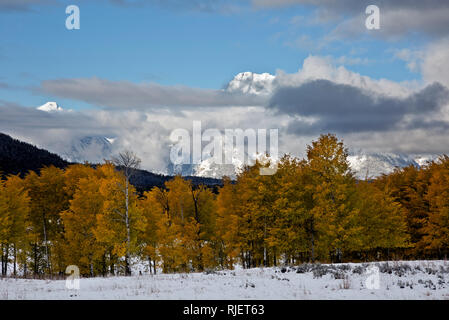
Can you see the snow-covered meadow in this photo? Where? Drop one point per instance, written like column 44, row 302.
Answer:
column 397, row 280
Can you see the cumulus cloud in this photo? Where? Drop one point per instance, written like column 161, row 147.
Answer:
column 432, row 61
column 344, row 108
column 435, row 63
column 327, row 68
column 378, row 115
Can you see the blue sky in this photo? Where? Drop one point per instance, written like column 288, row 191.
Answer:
column 172, row 46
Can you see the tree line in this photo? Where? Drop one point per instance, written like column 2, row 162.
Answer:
column 310, row 210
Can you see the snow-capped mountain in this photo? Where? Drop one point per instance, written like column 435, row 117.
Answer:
column 364, row 164
column 251, row 83
column 371, row 165
column 50, row 107
column 93, row 149
column 208, row 168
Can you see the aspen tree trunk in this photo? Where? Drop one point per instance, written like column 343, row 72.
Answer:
column 129, row 162
column 112, row 270
column 312, row 238
column 313, row 248
column 3, row 259
column 265, row 258
column 15, row 261
column 36, row 266
column 128, row 231
column 45, row 244
column 105, row 270
column 6, row 259
column 197, row 218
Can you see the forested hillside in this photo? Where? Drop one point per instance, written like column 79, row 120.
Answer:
column 17, row 157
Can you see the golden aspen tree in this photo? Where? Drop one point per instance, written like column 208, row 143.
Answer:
column 181, row 209
column 254, row 213
column 192, row 244
column 127, row 162
column 168, row 234
column 18, row 208
column 48, row 200
column 436, row 231
column 5, row 226
column 294, row 230
column 120, row 222
column 333, row 195
column 153, row 209
column 180, row 199
column 201, row 227
column 14, row 208
column 73, row 174
column 227, row 225
column 408, row 186
column 173, row 255
column 382, row 220
column 80, row 220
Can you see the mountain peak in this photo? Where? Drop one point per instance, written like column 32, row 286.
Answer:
column 50, row 106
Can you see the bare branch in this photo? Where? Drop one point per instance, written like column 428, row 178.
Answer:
column 128, row 162
column 119, row 213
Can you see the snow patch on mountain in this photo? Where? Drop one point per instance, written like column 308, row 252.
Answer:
column 209, row 168
column 50, row 106
column 93, row 149
column 422, row 160
column 371, row 165
column 232, row 167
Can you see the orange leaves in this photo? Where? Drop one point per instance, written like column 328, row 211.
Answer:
column 436, row 226
column 180, row 225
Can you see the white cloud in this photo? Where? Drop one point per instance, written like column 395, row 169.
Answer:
column 411, row 57
column 432, row 61
column 435, row 63
column 315, row 68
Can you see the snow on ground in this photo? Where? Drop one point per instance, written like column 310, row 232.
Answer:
column 397, row 280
